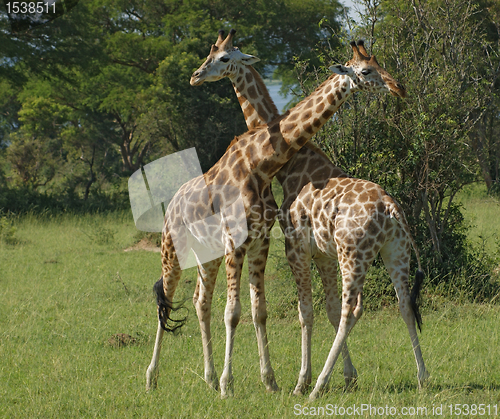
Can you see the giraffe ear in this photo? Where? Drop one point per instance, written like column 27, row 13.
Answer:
column 342, row 70
column 249, row 59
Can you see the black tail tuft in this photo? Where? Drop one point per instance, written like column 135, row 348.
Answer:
column 165, row 307
column 414, row 297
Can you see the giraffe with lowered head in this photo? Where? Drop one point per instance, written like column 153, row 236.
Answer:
column 310, row 180
column 250, row 164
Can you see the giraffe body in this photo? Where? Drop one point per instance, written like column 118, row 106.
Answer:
column 250, row 163
column 349, row 220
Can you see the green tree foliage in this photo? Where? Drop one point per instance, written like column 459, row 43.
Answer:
column 91, row 96
column 421, row 149
column 485, row 136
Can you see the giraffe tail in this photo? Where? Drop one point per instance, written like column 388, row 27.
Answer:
column 166, row 307
column 414, row 297
column 419, row 275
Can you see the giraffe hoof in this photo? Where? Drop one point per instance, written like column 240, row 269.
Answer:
column 318, row 391
column 151, row 380
column 212, row 381
column 351, row 383
column 314, row 395
column 422, row 378
column 226, row 388
column 300, row 389
column 272, row 388
column 226, row 393
column 270, row 382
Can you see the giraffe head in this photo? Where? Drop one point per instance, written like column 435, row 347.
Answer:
column 222, row 61
column 366, row 74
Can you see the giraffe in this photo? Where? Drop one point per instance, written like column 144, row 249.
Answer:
column 258, row 108
column 310, row 172
column 249, row 165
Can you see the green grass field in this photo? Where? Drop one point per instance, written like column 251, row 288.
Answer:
column 483, row 213
column 68, row 289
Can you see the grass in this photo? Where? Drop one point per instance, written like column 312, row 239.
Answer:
column 69, row 291
column 483, row 213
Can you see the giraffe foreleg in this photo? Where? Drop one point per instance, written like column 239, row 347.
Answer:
column 234, row 263
column 299, row 259
column 202, row 299
column 256, row 268
column 327, row 268
column 352, row 309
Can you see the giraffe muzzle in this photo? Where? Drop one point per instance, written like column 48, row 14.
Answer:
column 398, row 90
column 196, row 79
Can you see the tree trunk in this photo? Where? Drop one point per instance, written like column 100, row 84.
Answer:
column 92, row 175
column 431, row 223
column 478, row 146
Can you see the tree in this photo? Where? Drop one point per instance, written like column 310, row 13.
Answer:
column 33, row 150
column 420, row 149
column 120, row 71
column 485, row 137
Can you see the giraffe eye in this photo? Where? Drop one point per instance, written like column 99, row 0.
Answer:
column 224, row 59
column 365, row 72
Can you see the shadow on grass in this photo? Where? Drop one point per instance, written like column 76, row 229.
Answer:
column 406, row 386
column 330, row 390
column 467, row 387
column 409, row 386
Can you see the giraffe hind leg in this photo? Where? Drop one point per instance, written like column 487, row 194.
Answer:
column 353, row 269
column 352, row 309
column 256, row 267
column 396, row 258
column 152, row 371
column 164, row 290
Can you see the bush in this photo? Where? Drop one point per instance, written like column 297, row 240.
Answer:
column 7, row 231
column 23, row 201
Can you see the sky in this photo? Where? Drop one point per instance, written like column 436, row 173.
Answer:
column 347, row 3
column 350, row 4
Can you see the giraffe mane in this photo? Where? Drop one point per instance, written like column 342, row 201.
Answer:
column 313, row 147
column 233, row 142
column 264, row 90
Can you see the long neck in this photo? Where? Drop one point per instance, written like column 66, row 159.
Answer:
column 267, row 148
column 264, row 150
column 259, row 108
column 254, row 98
column 305, row 119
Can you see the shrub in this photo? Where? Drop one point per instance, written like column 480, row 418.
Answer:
column 7, row 231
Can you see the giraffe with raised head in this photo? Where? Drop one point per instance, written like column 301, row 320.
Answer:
column 310, row 162
column 249, row 165
column 310, row 180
